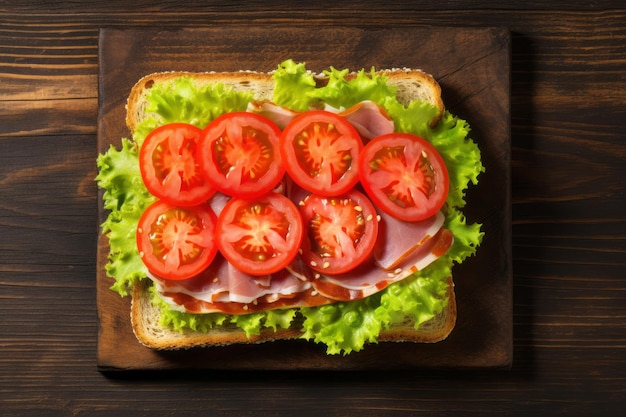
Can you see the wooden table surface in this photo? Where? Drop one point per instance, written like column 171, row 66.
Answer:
column 568, row 122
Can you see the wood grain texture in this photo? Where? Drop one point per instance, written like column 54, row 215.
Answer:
column 472, row 65
column 568, row 169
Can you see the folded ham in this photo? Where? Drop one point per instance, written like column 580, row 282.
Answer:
column 368, row 118
column 370, row 278
column 405, row 248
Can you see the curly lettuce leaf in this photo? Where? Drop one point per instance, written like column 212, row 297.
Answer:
column 293, row 86
column 126, row 197
column 253, row 323
column 182, row 100
column 343, row 327
column 419, row 297
column 413, row 118
column 467, row 237
column 461, row 155
column 342, row 93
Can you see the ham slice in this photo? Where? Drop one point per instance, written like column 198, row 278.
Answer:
column 280, row 115
column 224, row 289
column 397, row 238
column 245, row 288
column 217, row 202
column 367, row 117
column 186, row 302
column 211, row 285
column 222, row 283
column 370, row 279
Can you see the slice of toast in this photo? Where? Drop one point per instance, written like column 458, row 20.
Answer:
column 145, row 317
column 411, row 85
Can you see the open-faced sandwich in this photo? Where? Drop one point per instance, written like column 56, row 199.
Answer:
column 250, row 207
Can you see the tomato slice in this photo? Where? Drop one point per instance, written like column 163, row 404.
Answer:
column 341, row 231
column 259, row 236
column 321, row 151
column 404, row 175
column 240, row 155
column 176, row 242
column 167, row 161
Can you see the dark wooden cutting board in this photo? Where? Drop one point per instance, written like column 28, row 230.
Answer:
column 473, row 68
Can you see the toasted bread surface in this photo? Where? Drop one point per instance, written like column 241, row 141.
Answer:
column 145, row 317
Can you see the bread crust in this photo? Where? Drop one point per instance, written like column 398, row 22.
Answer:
column 411, row 84
column 145, row 317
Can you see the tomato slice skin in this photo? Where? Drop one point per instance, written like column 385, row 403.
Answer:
column 240, row 154
column 176, row 242
column 404, row 175
column 169, row 168
column 321, row 151
column 341, row 231
column 260, row 236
